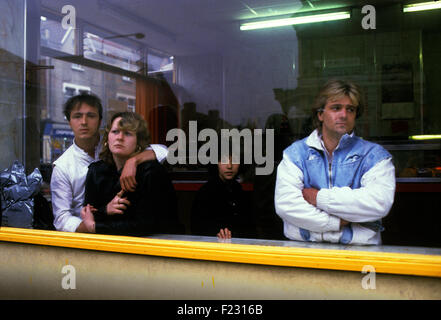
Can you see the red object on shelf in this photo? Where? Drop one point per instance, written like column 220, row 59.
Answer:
column 184, row 186
column 418, row 187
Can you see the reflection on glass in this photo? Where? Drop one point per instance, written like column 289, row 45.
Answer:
column 110, row 52
column 54, row 36
column 67, row 80
column 202, row 67
column 159, row 63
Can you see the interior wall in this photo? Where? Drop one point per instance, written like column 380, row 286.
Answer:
column 432, row 82
column 239, row 83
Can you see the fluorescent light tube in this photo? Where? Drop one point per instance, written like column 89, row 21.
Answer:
column 425, row 137
column 296, row 20
column 422, row 6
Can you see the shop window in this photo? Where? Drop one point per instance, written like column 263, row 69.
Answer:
column 77, row 67
column 267, row 80
column 130, row 100
column 54, row 36
column 111, row 52
column 70, row 90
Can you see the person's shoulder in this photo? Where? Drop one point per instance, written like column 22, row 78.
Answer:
column 203, row 190
column 99, row 166
column 206, row 191
column 373, row 152
column 298, row 143
column 65, row 161
column 236, row 186
column 372, row 146
column 296, row 150
column 211, row 184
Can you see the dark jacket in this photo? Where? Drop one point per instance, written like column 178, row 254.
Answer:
column 219, row 205
column 153, row 206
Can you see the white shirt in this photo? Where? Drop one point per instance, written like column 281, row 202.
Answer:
column 68, row 184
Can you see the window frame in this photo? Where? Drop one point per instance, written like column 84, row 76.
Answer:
column 126, row 98
column 348, row 260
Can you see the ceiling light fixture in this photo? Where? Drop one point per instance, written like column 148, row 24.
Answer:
column 422, row 6
column 296, row 20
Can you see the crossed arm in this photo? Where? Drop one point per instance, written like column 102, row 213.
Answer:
column 310, row 196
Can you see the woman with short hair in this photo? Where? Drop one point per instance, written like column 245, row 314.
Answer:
column 151, row 208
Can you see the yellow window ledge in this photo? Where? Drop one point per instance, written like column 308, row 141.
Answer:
column 349, row 260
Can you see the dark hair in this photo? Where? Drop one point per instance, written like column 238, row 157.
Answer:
column 129, row 121
column 335, row 89
column 213, row 169
column 76, row 101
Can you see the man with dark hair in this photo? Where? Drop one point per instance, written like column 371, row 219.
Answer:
column 89, row 99
column 84, row 114
column 333, row 186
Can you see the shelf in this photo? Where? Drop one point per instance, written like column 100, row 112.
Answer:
column 421, row 187
column 412, row 147
column 419, row 180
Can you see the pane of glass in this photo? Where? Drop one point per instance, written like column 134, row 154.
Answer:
column 54, row 36
column 12, row 93
column 159, row 63
column 61, row 83
column 196, row 65
column 110, row 52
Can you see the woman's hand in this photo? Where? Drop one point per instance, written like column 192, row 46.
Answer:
column 224, row 234
column 88, row 218
column 118, row 204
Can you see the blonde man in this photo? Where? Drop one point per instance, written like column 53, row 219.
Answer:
column 333, row 186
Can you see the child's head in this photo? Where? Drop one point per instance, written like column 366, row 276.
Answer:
column 227, row 169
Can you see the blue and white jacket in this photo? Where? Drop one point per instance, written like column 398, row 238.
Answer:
column 357, row 185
